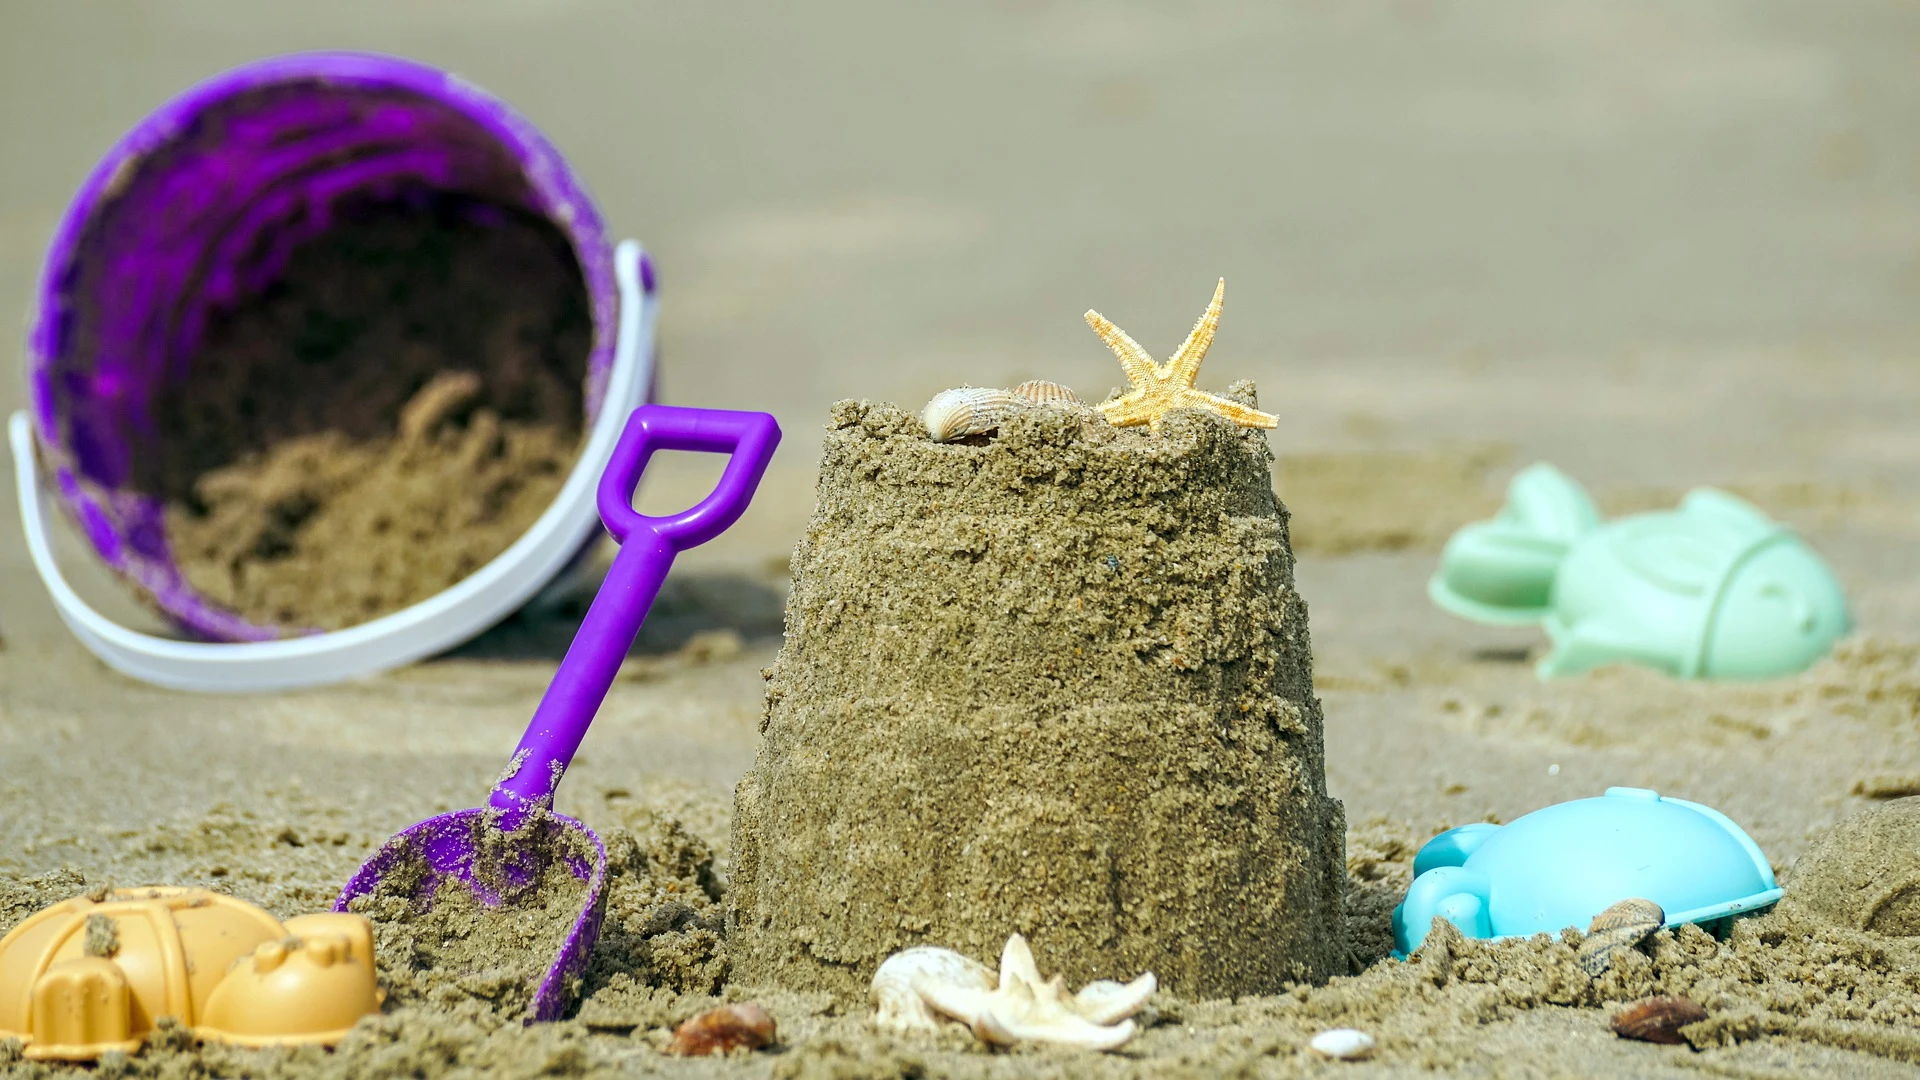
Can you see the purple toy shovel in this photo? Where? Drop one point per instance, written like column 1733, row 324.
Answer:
column 500, row 843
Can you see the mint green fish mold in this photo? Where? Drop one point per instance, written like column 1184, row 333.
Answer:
column 1713, row 589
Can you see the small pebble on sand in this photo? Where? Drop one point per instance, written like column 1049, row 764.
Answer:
column 718, row 1031
column 1342, row 1044
column 1658, row 1020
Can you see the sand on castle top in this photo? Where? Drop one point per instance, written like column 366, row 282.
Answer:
column 1101, row 532
column 1048, row 439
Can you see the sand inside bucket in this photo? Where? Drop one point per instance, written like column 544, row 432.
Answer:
column 390, row 415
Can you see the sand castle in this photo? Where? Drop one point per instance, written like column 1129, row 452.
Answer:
column 1057, row 684
column 1864, row 873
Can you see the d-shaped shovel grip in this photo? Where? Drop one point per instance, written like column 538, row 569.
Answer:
column 647, row 547
column 748, row 436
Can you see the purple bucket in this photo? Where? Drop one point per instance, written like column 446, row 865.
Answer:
column 200, row 206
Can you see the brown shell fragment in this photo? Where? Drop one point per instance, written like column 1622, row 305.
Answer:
column 1042, row 392
column 727, row 1028
column 1619, row 928
column 1657, row 1019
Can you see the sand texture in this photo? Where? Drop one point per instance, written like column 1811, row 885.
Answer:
column 1788, row 992
column 437, row 941
column 381, row 422
column 1657, row 245
column 1060, row 684
column 1865, row 873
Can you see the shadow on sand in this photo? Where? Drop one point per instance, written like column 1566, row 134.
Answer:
column 690, row 604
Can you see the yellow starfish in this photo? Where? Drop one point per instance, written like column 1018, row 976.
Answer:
column 1158, row 389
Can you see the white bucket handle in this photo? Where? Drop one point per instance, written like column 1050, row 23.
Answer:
column 432, row 626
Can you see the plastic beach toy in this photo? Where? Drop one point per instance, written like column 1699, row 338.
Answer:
column 87, row 976
column 204, row 201
column 446, row 851
column 1560, row 866
column 1713, row 589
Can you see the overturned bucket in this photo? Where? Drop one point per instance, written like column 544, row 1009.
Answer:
column 202, row 210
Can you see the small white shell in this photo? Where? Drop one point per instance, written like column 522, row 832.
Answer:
column 1042, row 392
column 915, row 989
column 1342, row 1044
column 896, row 986
column 969, row 410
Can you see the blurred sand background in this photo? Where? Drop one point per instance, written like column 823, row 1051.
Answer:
column 1657, row 244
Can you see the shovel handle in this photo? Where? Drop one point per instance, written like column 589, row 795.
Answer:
column 749, row 438
column 648, row 545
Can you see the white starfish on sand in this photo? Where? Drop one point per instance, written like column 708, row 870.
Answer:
column 913, row 986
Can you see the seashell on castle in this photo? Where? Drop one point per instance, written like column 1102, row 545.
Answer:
column 972, row 413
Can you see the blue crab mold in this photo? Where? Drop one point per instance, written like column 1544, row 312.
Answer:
column 1560, row 866
column 1712, row 589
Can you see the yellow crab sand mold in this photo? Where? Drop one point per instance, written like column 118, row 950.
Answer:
column 95, row 973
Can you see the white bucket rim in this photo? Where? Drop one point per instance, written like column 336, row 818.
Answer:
column 440, row 622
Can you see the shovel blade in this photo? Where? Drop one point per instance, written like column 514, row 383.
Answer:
column 465, row 849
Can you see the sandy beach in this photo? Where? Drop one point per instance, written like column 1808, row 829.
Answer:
column 1658, row 247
